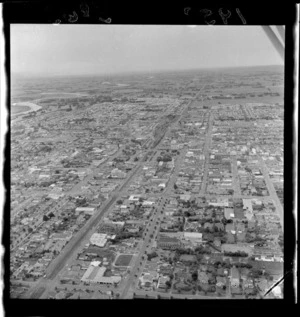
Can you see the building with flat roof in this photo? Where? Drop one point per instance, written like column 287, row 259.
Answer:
column 147, row 203
column 185, row 197
column 87, row 210
column 98, row 239
column 134, row 197
column 167, row 242
column 64, row 236
column 194, row 237
column 94, row 274
column 247, row 204
column 234, row 277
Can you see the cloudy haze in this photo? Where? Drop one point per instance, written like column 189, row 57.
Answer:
column 98, row 49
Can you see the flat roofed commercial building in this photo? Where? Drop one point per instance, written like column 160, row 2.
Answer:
column 88, row 210
column 193, row 236
column 247, row 204
column 99, row 239
column 167, row 242
column 94, row 274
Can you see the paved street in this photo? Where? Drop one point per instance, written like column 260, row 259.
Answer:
column 179, row 160
column 163, row 295
column 128, row 286
column 146, row 246
column 206, row 153
column 235, row 177
column 272, row 191
column 150, row 227
column 71, row 248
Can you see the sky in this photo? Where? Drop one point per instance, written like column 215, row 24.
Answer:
column 107, row 49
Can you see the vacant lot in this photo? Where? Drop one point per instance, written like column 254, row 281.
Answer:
column 100, row 253
column 188, row 258
column 274, row 268
column 123, row 260
column 235, row 248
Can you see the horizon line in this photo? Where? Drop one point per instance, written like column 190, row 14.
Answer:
column 50, row 75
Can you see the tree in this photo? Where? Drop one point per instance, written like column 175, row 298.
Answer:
column 256, row 273
column 212, row 289
column 151, row 255
column 195, row 276
column 168, row 284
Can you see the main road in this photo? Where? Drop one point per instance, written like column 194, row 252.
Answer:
column 57, row 265
column 206, row 152
column 151, row 225
column 271, row 190
column 146, row 244
column 235, row 176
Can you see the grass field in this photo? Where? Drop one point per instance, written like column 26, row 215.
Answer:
column 274, row 268
column 19, row 109
column 123, row 260
column 62, row 95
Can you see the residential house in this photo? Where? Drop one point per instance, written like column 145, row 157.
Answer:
column 234, row 277
column 162, row 282
column 221, row 281
column 203, row 277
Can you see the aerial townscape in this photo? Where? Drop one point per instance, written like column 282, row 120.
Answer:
column 148, row 185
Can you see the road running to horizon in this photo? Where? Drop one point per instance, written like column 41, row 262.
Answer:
column 206, row 153
column 272, row 191
column 72, row 247
column 151, row 226
column 40, row 288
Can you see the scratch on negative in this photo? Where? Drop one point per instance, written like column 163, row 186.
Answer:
column 278, row 282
